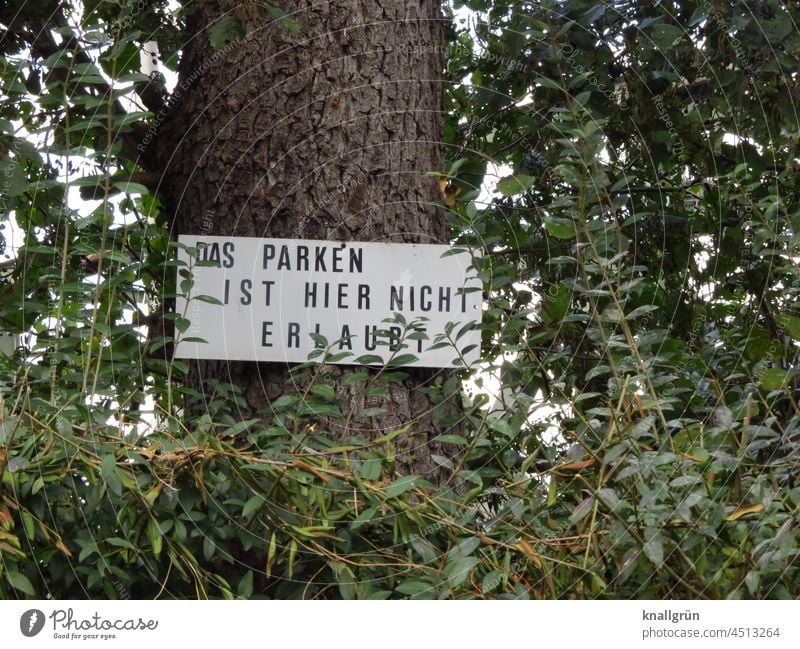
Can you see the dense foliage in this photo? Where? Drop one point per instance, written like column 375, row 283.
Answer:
column 635, row 429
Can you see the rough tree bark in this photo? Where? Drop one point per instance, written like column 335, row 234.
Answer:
column 326, row 134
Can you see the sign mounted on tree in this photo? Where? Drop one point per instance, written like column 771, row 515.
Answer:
column 288, row 300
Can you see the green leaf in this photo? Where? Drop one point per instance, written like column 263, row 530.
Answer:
column 639, row 311
column 371, row 469
column 12, row 173
column 29, row 525
column 388, row 437
column 324, row 391
column 559, row 228
column 131, row 188
column 774, row 378
column 465, row 547
column 403, row 360
column 252, row 505
column 155, row 536
column 401, row 485
column 120, row 543
column 117, row 256
column 582, row 510
column 285, row 402
column 654, row 546
column 556, row 302
column 245, row 587
column 423, row 549
column 209, row 299
column 491, row 581
column 182, row 324
column 752, row 581
column 685, row 481
column 239, row 427
column 285, row 19
column 209, row 548
column 513, row 185
column 791, row 324
column 224, row 31
column 448, row 438
column 368, row 359
column 664, row 35
column 415, row 587
column 457, row 571
column 570, row 173
column 700, row 454
column 609, row 498
column 88, row 550
column 364, row 517
column 344, row 577
column 20, row 582
column 108, row 470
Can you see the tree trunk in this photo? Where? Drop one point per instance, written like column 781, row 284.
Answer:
column 326, row 134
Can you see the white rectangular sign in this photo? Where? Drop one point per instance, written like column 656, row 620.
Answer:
column 280, row 299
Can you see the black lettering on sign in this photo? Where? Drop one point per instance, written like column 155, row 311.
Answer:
column 246, row 286
column 302, row 258
column 303, row 261
column 334, row 295
column 344, row 339
column 356, row 260
column 267, row 284
column 227, row 250
column 444, row 299
column 363, row 296
column 370, row 339
column 283, row 261
column 266, row 333
column 425, row 298
column 394, row 338
column 396, row 298
column 320, row 259
column 210, row 253
column 227, row 290
column 412, row 298
column 311, row 294
column 337, row 259
column 294, row 335
column 421, row 331
column 269, row 253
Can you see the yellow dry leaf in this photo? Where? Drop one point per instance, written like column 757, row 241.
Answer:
column 744, row 509
column 576, row 466
column 153, row 493
column 449, row 190
column 525, row 547
column 6, row 521
column 64, row 549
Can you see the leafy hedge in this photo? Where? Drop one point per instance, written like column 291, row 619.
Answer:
column 640, row 337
